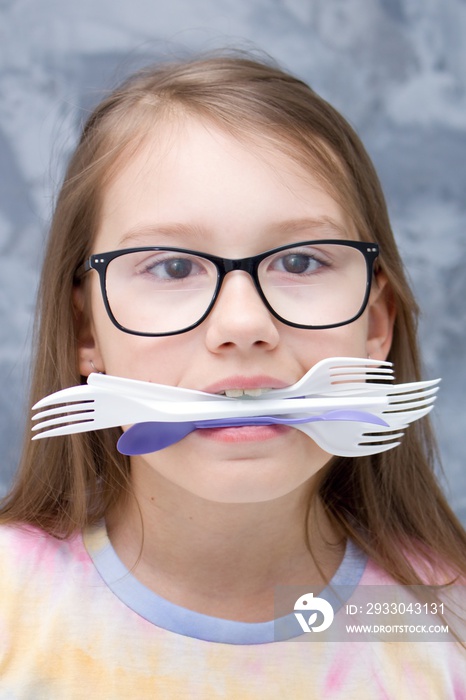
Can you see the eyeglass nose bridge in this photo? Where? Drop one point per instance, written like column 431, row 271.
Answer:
column 248, row 265
column 244, row 264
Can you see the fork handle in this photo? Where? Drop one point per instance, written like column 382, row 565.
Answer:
column 144, row 438
column 337, row 415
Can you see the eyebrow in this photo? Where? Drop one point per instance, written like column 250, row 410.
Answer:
column 324, row 225
column 169, row 230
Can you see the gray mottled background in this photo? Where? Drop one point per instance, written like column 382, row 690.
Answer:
column 395, row 68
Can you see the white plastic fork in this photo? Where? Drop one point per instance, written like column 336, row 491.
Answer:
column 349, row 373
column 101, row 409
column 352, row 439
column 356, row 439
column 331, row 375
column 342, row 375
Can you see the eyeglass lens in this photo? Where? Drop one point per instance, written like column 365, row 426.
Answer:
column 166, row 291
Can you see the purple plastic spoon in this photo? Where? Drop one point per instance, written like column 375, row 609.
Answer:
column 153, row 436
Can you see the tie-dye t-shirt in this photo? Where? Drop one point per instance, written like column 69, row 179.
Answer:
column 75, row 624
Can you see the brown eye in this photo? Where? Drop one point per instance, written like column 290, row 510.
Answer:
column 178, row 268
column 297, row 263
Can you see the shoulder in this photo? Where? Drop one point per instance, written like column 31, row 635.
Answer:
column 430, row 569
column 44, row 581
column 28, row 553
column 18, row 543
column 19, row 535
column 25, row 540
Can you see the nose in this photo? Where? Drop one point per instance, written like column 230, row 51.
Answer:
column 239, row 319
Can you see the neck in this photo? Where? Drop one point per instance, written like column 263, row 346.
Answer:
column 223, row 559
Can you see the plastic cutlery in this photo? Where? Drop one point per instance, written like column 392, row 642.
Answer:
column 343, row 375
column 109, row 410
column 343, row 437
column 103, row 410
column 334, row 403
column 143, row 438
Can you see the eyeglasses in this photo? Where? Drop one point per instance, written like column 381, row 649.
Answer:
column 158, row 291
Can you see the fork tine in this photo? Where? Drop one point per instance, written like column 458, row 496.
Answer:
column 399, row 418
column 67, row 410
column 336, row 362
column 375, row 449
column 407, row 395
column 362, row 373
column 416, row 389
column 81, row 427
column 402, row 419
column 376, row 439
column 399, row 406
column 360, row 366
column 360, row 369
column 65, row 396
column 361, row 377
column 67, row 419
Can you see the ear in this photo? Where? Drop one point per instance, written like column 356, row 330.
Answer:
column 381, row 314
column 88, row 354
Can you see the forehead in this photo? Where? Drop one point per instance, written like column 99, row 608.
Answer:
column 192, row 171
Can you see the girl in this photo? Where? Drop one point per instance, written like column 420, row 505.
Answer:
column 154, row 576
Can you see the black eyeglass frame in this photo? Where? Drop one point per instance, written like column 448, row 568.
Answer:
column 100, row 262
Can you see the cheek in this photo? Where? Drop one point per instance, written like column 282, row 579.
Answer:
column 159, row 360
column 349, row 340
column 135, row 357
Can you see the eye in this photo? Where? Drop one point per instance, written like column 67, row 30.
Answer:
column 178, row 268
column 298, row 263
column 172, row 268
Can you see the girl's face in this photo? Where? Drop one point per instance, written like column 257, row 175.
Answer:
column 193, row 186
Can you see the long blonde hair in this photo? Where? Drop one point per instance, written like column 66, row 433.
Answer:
column 390, row 503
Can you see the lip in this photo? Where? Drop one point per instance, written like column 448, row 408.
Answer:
column 241, row 381
column 245, row 433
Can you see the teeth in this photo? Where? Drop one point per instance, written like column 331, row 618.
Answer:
column 237, row 393
column 255, row 392
column 233, row 393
